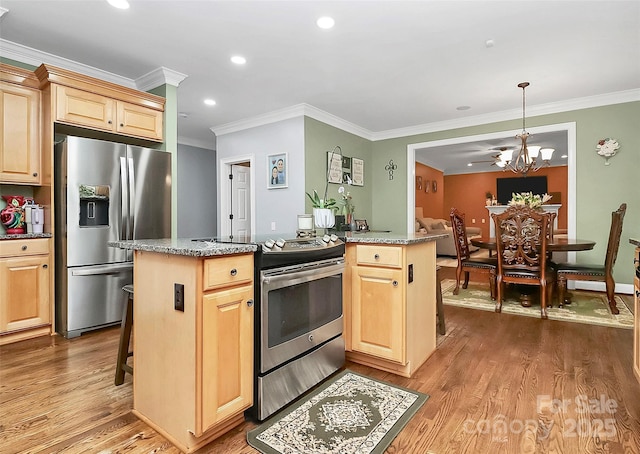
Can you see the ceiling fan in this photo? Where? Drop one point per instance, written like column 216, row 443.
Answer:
column 494, row 158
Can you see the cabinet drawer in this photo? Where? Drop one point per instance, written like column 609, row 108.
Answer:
column 11, row 248
column 226, row 271
column 379, row 255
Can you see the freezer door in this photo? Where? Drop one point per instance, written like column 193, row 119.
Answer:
column 93, row 200
column 150, row 197
column 95, row 298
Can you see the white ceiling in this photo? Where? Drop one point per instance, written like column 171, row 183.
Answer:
column 387, row 67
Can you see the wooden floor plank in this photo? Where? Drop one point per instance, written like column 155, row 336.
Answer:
column 487, row 381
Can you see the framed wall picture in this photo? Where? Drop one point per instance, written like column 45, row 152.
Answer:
column 277, row 171
column 334, row 167
column 346, row 169
column 434, row 186
column 419, row 183
column 427, row 185
column 357, row 172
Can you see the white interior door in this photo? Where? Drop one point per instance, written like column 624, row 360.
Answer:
column 241, row 201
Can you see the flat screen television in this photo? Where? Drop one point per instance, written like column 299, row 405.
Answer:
column 507, row 186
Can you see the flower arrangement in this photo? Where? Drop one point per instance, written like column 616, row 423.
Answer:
column 347, row 205
column 528, row 199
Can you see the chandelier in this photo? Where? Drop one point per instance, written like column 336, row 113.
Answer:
column 528, row 159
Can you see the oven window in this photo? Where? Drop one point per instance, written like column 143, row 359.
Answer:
column 295, row 310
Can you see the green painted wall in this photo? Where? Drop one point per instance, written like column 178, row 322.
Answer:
column 600, row 189
column 19, row 64
column 320, row 138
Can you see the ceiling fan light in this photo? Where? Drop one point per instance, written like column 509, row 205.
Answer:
column 506, row 155
column 533, row 150
column 501, row 164
column 546, row 153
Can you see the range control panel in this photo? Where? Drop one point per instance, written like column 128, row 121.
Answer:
column 299, row 244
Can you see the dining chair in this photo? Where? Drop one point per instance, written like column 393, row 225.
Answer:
column 599, row 273
column 465, row 262
column 521, row 241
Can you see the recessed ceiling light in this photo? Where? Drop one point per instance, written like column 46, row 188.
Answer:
column 183, row 114
column 564, row 156
column 120, row 4
column 469, row 165
column 326, row 22
column 463, row 107
column 210, row 102
column 238, row 60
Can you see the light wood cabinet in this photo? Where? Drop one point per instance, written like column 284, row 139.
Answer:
column 80, row 100
column 94, row 111
column 25, row 275
column 193, row 368
column 389, row 305
column 636, row 316
column 19, row 134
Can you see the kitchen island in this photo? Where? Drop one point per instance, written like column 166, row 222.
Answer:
column 193, row 337
column 389, row 300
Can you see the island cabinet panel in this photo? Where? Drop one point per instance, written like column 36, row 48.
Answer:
column 227, row 354
column 192, row 367
column 636, row 315
column 19, row 134
column 378, row 312
column 389, row 305
column 25, row 309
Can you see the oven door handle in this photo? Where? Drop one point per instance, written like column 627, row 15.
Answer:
column 293, row 277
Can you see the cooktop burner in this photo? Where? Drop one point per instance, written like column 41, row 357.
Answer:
column 280, row 243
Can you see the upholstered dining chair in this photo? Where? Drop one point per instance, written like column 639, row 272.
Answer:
column 465, row 262
column 521, row 240
column 600, row 273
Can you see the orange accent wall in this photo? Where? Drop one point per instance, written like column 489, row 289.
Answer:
column 467, row 193
column 432, row 203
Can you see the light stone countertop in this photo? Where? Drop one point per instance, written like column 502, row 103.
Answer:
column 635, row 242
column 23, row 236
column 389, row 237
column 184, row 246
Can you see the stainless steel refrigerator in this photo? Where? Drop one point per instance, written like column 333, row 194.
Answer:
column 105, row 191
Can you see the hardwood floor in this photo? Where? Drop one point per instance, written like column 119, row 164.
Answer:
column 491, row 382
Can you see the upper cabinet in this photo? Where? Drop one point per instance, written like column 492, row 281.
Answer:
column 19, row 126
column 80, row 100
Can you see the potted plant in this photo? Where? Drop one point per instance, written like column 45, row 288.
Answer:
column 323, row 210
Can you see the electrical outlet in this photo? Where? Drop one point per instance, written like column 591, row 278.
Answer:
column 178, row 297
column 273, row 226
column 473, row 221
column 483, row 221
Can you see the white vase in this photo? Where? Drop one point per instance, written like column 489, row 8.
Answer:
column 324, row 218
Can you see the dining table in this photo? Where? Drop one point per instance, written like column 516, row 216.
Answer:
column 557, row 244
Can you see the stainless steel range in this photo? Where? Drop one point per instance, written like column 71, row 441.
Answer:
column 298, row 320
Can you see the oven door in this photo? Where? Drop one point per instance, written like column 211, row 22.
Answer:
column 301, row 308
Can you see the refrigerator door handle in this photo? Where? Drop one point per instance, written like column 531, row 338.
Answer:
column 132, row 196
column 103, row 269
column 124, row 213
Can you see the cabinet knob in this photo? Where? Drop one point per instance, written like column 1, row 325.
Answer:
column 121, row 125
column 234, row 272
column 377, row 256
column 249, row 303
column 395, row 283
column 24, row 248
column 45, row 266
column 109, row 122
column 35, row 174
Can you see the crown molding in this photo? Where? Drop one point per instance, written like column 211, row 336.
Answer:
column 619, row 97
column 159, row 76
column 36, row 57
column 292, row 112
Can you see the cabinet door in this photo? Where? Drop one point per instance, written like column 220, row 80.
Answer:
column 19, row 134
column 227, row 355
column 134, row 120
column 378, row 313
column 24, row 292
column 85, row 109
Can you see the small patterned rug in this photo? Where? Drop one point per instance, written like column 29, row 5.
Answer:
column 348, row 414
column 586, row 307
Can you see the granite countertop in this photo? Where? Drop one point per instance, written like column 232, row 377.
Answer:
column 634, row 241
column 184, row 246
column 390, row 237
column 23, row 236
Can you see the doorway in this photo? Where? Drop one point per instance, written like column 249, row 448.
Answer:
column 237, row 197
column 570, row 129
